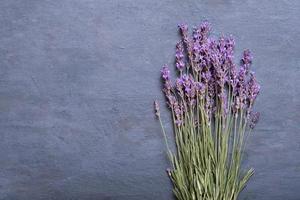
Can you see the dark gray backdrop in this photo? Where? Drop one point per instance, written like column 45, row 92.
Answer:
column 77, row 81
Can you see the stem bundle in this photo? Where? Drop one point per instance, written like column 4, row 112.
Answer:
column 211, row 107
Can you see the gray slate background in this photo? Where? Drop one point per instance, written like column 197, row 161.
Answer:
column 77, row 80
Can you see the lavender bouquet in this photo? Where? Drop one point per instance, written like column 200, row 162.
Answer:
column 211, row 104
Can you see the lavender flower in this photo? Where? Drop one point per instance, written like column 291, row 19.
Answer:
column 233, row 78
column 171, row 100
column 156, row 108
column 230, row 44
column 200, row 89
column 189, row 88
column 187, row 42
column 179, row 56
column 206, row 76
column 184, row 31
column 197, row 57
column 254, row 117
column 200, row 46
column 178, row 114
column 165, row 72
column 209, row 98
column 246, row 60
column 205, row 28
column 253, row 88
column 179, row 86
column 247, row 57
column 241, row 96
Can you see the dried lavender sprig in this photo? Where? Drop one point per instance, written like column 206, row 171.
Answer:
column 165, row 72
column 183, row 28
column 247, row 60
column 179, row 56
column 156, row 108
column 254, row 117
column 253, row 88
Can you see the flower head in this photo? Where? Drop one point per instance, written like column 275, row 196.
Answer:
column 178, row 110
column 165, row 72
column 253, row 88
column 179, row 56
column 241, row 90
column 200, row 89
column 183, row 28
column 171, row 100
column 247, row 57
column 233, row 78
column 246, row 60
column 179, row 86
column 253, row 119
column 205, row 28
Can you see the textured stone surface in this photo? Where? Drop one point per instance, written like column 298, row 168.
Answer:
column 77, row 80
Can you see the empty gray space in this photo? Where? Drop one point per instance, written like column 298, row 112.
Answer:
column 77, row 82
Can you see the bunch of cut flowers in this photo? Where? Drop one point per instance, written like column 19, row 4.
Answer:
column 211, row 104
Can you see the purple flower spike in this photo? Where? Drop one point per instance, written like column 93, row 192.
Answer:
column 242, row 81
column 183, row 29
column 205, row 28
column 179, row 86
column 178, row 114
column 165, row 72
column 253, row 88
column 247, row 57
column 179, row 56
column 254, row 118
column 187, row 41
column 184, row 32
column 233, row 78
column 171, row 100
column 200, row 88
column 247, row 60
column 206, row 77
